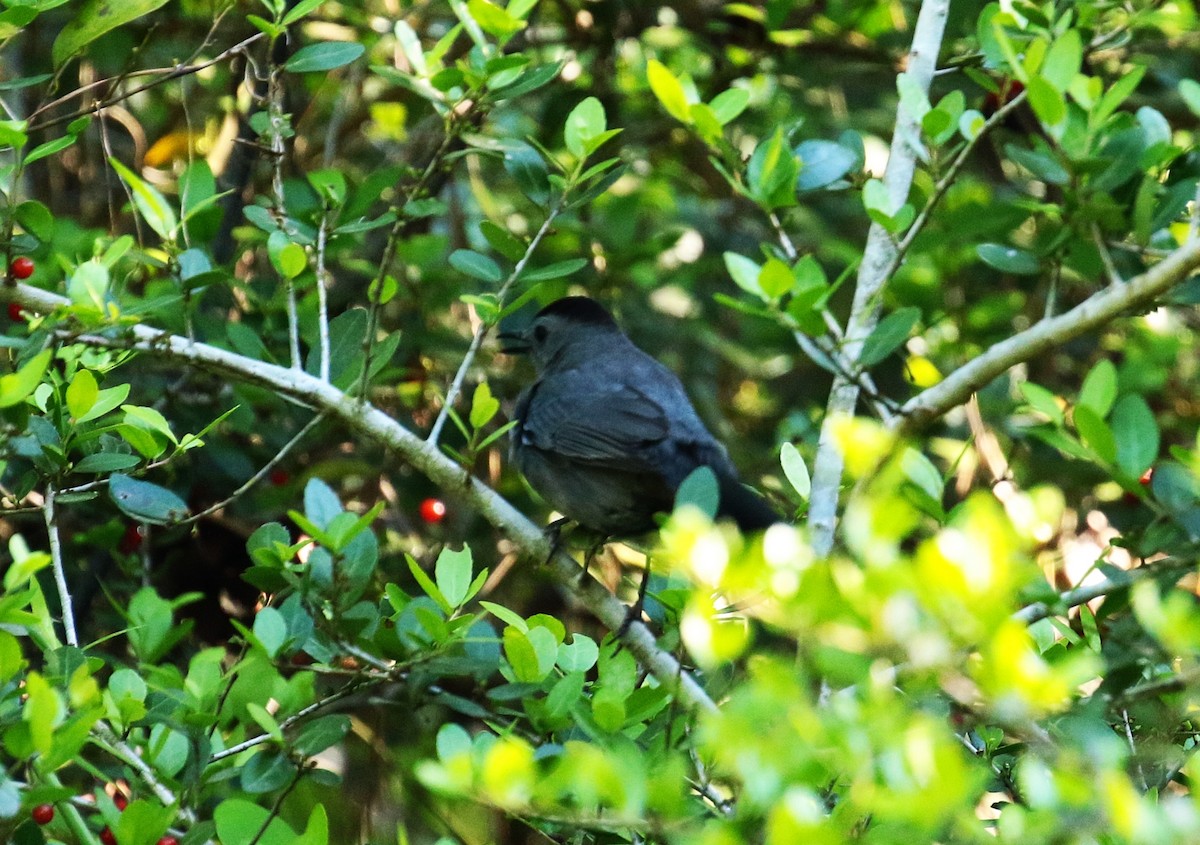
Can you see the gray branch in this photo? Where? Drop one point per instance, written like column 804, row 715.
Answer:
column 1097, row 310
column 873, row 275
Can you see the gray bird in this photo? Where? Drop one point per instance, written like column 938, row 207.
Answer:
column 605, row 433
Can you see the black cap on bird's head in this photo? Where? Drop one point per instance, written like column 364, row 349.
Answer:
column 578, row 309
column 555, row 326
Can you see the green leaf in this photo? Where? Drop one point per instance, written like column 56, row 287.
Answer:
column 453, row 574
column 508, row 617
column 775, row 279
column 151, row 204
column 557, row 270
column 744, row 272
column 892, row 331
column 321, row 504
column 16, row 387
column 1095, row 433
column 1099, row 389
column 49, row 148
column 1009, row 259
column 1043, row 401
column 585, row 122
column 325, row 56
column 94, row 18
column 1041, row 163
column 773, row 172
column 528, row 169
column 1064, row 60
column 579, row 655
column 1189, row 90
column 494, row 20
column 727, row 105
column 699, row 489
column 1117, row 93
column 35, row 219
column 146, row 502
column 531, row 653
column 795, row 470
column 669, row 91
column 242, row 822
column 300, row 10
column 106, row 400
column 922, row 473
column 102, row 463
column 1047, row 101
column 144, row 821
column 476, row 265
column 822, row 163
column 1137, row 435
column 484, row 406
column 270, row 630
column 320, row 734
column 82, row 393
column 426, row 584
column 149, row 419
column 88, row 285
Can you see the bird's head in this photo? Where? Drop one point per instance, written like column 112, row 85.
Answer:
column 566, row 329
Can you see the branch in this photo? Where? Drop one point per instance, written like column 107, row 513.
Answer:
column 481, row 332
column 873, row 275
column 1098, row 309
column 371, row 422
column 60, row 575
column 168, row 75
column 1082, row 595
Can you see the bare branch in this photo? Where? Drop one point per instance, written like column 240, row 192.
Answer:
column 1098, row 309
column 873, row 275
column 60, row 575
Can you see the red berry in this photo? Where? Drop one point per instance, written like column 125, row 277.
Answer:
column 21, row 268
column 1146, row 478
column 279, row 477
column 120, row 800
column 108, row 837
column 130, row 542
column 42, row 814
column 433, row 510
column 168, row 840
column 15, row 312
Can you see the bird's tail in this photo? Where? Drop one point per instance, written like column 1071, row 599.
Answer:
column 745, row 506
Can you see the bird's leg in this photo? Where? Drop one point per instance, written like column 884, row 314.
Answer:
column 553, row 532
column 634, row 614
column 593, row 549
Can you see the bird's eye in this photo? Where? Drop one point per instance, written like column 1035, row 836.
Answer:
column 539, row 333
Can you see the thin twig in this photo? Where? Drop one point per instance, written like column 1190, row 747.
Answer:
column 481, row 332
column 262, row 473
column 106, row 737
column 323, row 296
column 168, row 75
column 943, row 185
column 293, row 720
column 60, row 575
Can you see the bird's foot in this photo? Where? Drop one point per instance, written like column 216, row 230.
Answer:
column 592, row 551
column 553, row 532
column 634, row 613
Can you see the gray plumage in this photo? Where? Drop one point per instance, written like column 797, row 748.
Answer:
column 606, row 434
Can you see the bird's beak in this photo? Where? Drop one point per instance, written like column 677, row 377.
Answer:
column 514, row 343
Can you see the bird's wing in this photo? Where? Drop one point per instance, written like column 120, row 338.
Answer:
column 614, row 427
